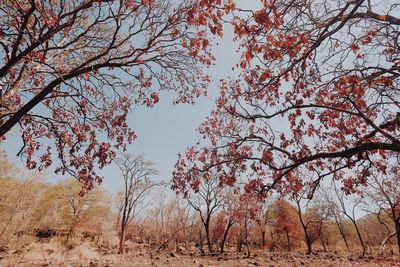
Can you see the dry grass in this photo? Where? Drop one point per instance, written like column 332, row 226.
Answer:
column 54, row 253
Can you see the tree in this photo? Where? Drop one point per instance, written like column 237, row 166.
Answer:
column 222, row 224
column 318, row 91
column 319, row 215
column 76, row 208
column 30, row 206
column 175, row 223
column 348, row 209
column 329, row 199
column 205, row 197
column 383, row 193
column 138, row 183
column 231, row 214
column 249, row 207
column 19, row 197
column 313, row 214
column 305, row 221
column 263, row 221
column 285, row 222
column 72, row 70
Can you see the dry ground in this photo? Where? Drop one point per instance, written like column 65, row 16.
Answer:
column 55, row 254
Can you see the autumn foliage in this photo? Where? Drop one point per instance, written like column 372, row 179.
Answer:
column 317, row 94
column 71, row 72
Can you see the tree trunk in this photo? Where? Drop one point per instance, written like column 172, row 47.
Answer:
column 323, row 245
column 288, row 240
column 247, row 247
column 342, row 233
column 397, row 226
column 69, row 236
column 263, row 242
column 247, row 238
column 209, row 245
column 201, row 242
column 239, row 243
column 121, row 247
column 70, row 232
column 309, row 245
column 230, row 224
column 273, row 244
column 308, row 239
column 177, row 250
column 364, row 248
column 384, row 242
column 304, row 226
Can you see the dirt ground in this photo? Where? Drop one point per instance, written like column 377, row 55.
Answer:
column 53, row 254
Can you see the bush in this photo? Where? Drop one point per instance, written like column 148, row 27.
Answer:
column 45, row 233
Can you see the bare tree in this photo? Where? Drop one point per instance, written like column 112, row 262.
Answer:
column 262, row 222
column 349, row 210
column 312, row 217
column 298, row 199
column 79, row 206
column 231, row 207
column 383, row 193
column 329, row 199
column 138, row 183
column 176, row 218
column 206, row 202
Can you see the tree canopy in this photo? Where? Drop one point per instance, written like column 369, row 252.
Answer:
column 317, row 94
column 72, row 70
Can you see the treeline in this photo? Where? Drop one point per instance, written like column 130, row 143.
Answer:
column 211, row 221
column 31, row 207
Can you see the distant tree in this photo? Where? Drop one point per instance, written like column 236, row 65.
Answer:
column 19, row 196
column 249, row 206
column 318, row 215
column 231, row 213
column 77, row 208
column 312, row 213
column 138, row 175
column 220, row 224
column 205, row 197
column 286, row 221
column 174, row 222
column 263, row 222
column 329, row 198
column 28, row 205
column 383, row 194
column 304, row 221
column 348, row 207
column 168, row 219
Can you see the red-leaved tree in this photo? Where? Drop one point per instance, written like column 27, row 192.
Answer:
column 71, row 71
column 286, row 221
column 318, row 92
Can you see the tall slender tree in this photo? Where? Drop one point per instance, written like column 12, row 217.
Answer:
column 138, row 175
